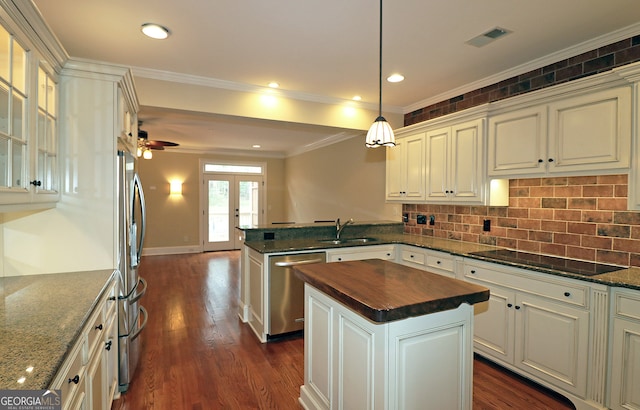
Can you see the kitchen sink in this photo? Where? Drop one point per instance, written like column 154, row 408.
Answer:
column 348, row 240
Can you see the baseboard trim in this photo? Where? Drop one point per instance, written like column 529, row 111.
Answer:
column 172, row 250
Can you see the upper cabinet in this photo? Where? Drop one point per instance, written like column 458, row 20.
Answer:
column 406, row 169
column 587, row 133
column 29, row 177
column 455, row 166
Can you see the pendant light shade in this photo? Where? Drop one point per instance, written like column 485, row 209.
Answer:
column 380, row 134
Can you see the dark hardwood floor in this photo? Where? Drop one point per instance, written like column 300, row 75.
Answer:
column 196, row 354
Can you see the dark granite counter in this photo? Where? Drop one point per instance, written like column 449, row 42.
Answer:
column 625, row 277
column 384, row 291
column 40, row 318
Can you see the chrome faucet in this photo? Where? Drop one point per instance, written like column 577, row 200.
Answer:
column 339, row 227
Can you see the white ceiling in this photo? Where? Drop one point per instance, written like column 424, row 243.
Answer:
column 329, row 49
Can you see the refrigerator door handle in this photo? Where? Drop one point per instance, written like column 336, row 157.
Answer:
column 143, row 216
column 144, row 313
column 140, row 293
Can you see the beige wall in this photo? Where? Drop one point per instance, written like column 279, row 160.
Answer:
column 174, row 221
column 343, row 180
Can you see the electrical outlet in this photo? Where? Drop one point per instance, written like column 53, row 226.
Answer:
column 432, row 219
column 486, row 225
column 421, row 219
column 405, row 217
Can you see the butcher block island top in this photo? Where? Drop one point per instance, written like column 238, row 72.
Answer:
column 384, row 291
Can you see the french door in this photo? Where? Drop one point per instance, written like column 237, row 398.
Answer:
column 230, row 201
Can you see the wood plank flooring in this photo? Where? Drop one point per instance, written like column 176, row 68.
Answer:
column 197, row 354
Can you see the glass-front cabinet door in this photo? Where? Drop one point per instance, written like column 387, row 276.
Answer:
column 29, row 162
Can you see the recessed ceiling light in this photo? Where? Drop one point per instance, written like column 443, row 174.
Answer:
column 256, row 146
column 273, row 84
column 155, row 31
column 356, row 98
column 395, row 78
column 488, row 37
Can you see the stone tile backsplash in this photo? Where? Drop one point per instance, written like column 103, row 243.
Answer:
column 576, row 217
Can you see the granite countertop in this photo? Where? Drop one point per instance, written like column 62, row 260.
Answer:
column 40, row 318
column 626, row 277
column 392, row 291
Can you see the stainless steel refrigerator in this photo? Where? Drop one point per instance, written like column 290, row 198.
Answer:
column 132, row 316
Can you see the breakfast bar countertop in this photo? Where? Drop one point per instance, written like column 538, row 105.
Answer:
column 384, row 291
column 41, row 316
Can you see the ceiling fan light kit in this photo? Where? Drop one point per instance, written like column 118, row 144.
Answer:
column 145, row 145
column 380, row 134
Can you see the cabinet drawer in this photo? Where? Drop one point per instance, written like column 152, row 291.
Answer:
column 627, row 304
column 414, row 257
column 439, row 262
column 95, row 329
column 70, row 380
column 547, row 286
column 362, row 252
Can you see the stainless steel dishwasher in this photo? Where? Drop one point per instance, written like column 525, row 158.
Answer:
column 286, row 292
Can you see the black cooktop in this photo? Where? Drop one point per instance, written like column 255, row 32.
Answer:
column 549, row 262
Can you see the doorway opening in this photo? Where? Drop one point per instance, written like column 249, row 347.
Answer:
column 232, row 197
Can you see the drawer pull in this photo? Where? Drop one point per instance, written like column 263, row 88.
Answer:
column 99, row 327
column 438, row 262
column 107, row 345
column 473, row 271
column 388, row 254
column 411, row 256
column 567, row 294
column 75, row 380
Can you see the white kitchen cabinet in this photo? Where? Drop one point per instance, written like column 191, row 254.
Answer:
column 88, row 376
column 585, row 133
column 257, row 302
column 455, row 163
column 625, row 356
column 29, row 177
column 416, row 363
column 387, row 252
column 545, row 327
column 426, row 259
column 406, row 169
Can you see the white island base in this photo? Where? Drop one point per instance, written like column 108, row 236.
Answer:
column 350, row 362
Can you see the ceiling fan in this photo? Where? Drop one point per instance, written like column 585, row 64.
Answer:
column 145, row 145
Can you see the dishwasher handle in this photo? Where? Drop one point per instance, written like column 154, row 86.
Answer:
column 286, row 264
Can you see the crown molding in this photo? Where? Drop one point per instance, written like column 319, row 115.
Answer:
column 250, row 88
column 569, row 52
column 24, row 17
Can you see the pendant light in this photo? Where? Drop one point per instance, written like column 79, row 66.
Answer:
column 380, row 133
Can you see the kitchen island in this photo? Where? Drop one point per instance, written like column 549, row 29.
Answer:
column 379, row 335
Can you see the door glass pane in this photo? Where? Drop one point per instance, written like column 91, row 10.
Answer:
column 248, row 203
column 4, row 162
column 5, row 41
column 17, row 159
column 4, row 110
column 18, row 112
column 219, row 205
column 19, row 59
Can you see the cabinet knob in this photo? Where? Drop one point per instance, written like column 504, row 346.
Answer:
column 550, row 159
column 509, row 305
column 517, row 307
column 540, row 160
column 107, row 345
column 339, row 259
column 75, row 380
column 99, row 327
column 411, row 256
column 36, row 183
column 388, row 254
column 567, row 294
column 438, row 262
column 473, row 271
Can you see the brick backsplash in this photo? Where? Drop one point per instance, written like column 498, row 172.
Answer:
column 592, row 62
column 576, row 217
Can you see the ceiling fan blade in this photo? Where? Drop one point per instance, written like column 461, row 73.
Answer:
column 152, row 143
column 155, row 147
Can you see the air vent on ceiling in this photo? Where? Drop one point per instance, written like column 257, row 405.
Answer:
column 486, row 38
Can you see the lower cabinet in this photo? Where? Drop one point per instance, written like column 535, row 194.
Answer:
column 88, row 378
column 386, row 252
column 421, row 362
column 545, row 327
column 625, row 341
column 426, row 259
